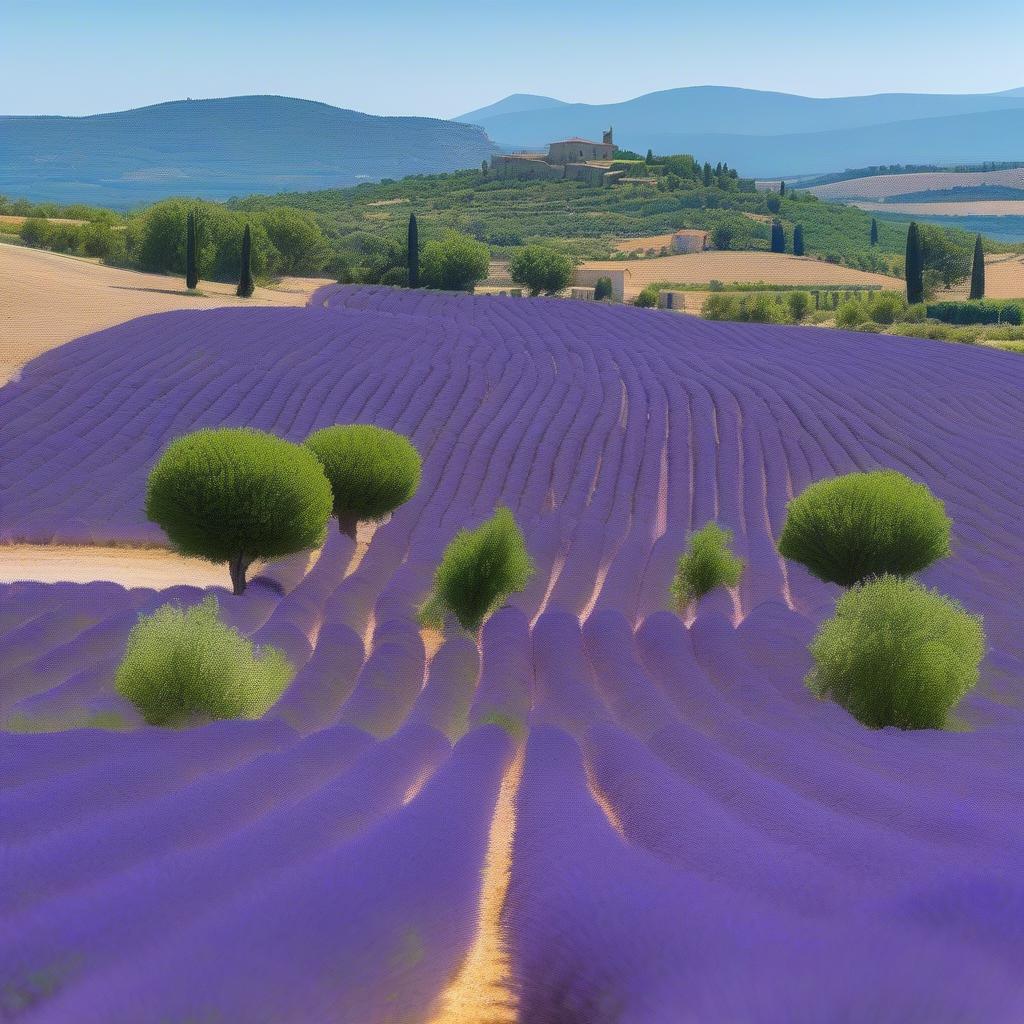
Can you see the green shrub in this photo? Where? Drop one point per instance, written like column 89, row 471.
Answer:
column 896, row 653
column 851, row 314
column 602, row 288
column 480, row 568
column 455, row 263
column 234, row 495
column 371, row 471
column 865, row 524
column 184, row 665
column 977, row 312
column 886, row 308
column 648, row 298
column 708, row 563
column 799, row 304
column 541, row 269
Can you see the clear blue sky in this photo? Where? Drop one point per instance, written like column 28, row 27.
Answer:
column 443, row 57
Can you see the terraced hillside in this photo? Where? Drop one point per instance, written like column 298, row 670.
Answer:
column 603, row 813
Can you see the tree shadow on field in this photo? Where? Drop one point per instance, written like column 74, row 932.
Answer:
column 160, row 291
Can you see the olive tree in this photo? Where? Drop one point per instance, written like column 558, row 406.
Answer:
column 371, row 471
column 236, row 495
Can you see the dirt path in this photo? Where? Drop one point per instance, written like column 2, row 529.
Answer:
column 47, row 299
column 131, row 567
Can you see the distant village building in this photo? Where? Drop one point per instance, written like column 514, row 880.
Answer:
column 573, row 159
column 689, row 240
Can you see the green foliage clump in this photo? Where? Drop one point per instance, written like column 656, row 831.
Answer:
column 479, row 569
column 852, row 527
column 985, row 311
column 454, row 263
column 851, row 314
column 708, row 563
column 234, row 495
column 541, row 269
column 602, row 289
column 185, row 665
column 896, row 653
column 371, row 470
column 750, row 308
column 648, row 298
column 799, row 304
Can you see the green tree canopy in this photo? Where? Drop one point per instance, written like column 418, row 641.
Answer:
column 371, row 470
column 236, row 495
column 541, row 269
column 454, row 262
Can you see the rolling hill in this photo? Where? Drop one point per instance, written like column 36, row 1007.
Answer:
column 771, row 133
column 219, row 148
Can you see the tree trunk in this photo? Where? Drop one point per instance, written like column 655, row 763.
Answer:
column 237, row 566
column 347, row 525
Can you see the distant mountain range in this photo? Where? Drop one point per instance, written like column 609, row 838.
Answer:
column 220, row 148
column 770, row 134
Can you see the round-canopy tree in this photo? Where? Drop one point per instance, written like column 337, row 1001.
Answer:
column 541, row 269
column 479, row 569
column 454, row 263
column 896, row 653
column 371, row 471
column 234, row 495
column 865, row 524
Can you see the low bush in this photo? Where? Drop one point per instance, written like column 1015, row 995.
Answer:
column 851, row 314
column 648, row 298
column 235, row 495
column 798, row 304
column 480, row 568
column 851, row 527
column 708, row 563
column 983, row 311
column 896, row 653
column 602, row 289
column 185, row 665
column 371, row 471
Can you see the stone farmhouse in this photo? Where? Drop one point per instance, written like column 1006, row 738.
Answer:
column 573, row 159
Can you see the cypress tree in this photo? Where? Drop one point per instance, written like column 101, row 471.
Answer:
column 782, row 188
column 649, row 159
column 191, row 263
column 798, row 240
column 245, row 283
column 874, row 231
column 978, row 271
column 413, row 257
column 707, row 175
column 914, row 266
column 778, row 236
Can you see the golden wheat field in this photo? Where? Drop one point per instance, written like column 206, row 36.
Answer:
column 738, row 268
column 48, row 299
column 883, row 186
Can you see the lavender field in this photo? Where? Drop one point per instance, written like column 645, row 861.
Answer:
column 606, row 814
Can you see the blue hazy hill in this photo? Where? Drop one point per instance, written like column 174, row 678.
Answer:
column 219, row 148
column 771, row 133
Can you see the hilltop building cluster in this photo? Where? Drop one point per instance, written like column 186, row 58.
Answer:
column 572, row 159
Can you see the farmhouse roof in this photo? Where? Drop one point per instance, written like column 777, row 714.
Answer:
column 688, row 232
column 589, row 142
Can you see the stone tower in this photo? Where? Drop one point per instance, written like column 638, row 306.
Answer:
column 607, row 138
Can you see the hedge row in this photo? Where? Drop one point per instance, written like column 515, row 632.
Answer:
column 983, row 312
